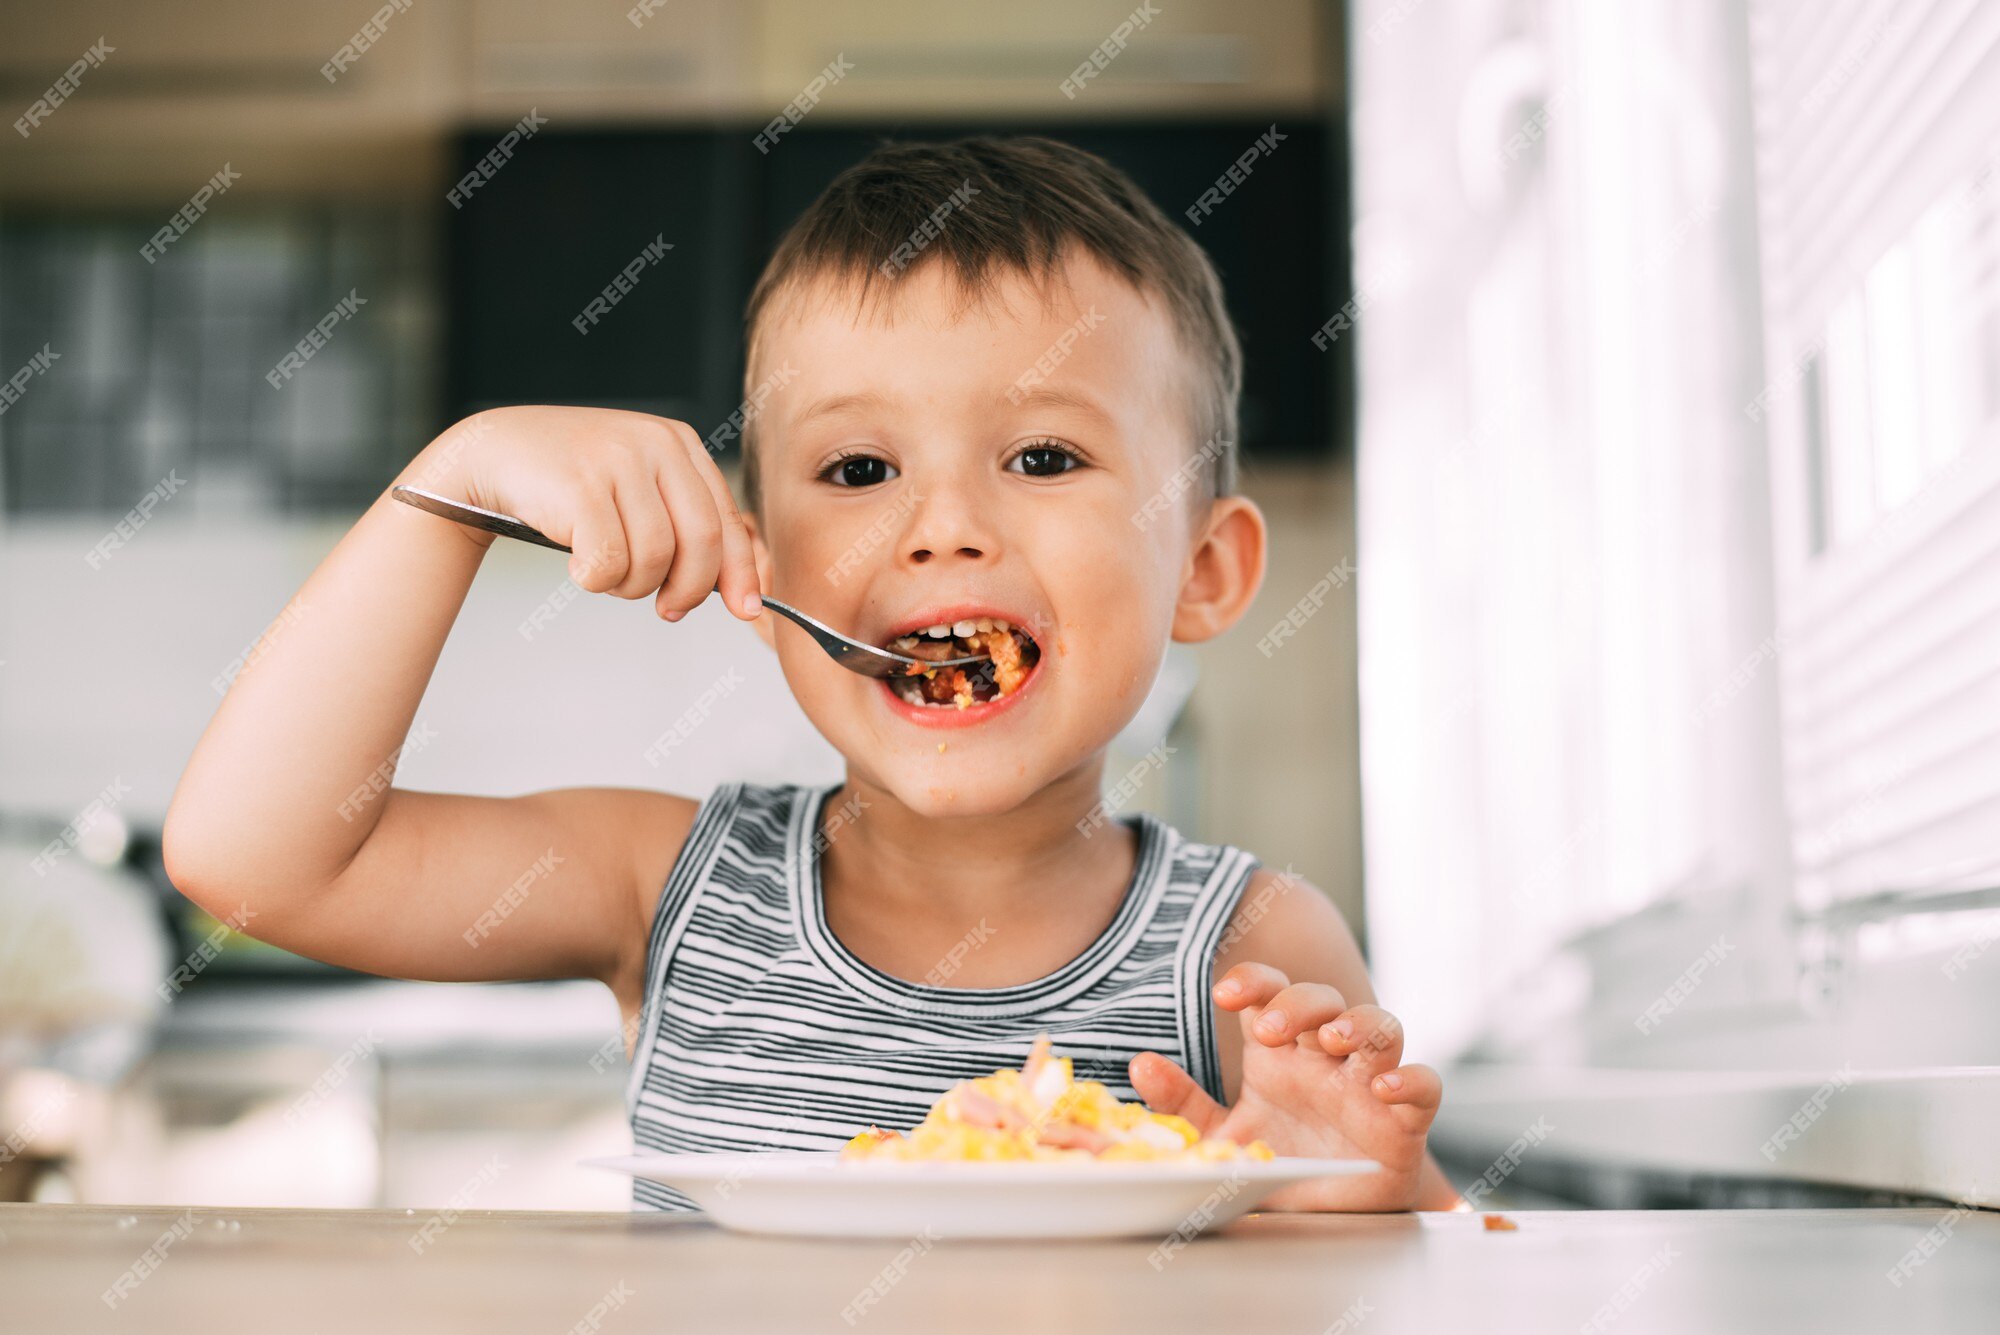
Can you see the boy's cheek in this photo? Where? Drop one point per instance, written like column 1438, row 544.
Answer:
column 824, row 689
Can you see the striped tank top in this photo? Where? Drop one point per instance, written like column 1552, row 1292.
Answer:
column 761, row 1031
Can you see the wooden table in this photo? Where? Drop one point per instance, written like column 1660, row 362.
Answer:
column 1690, row 1272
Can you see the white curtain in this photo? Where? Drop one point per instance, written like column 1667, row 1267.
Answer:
column 1568, row 640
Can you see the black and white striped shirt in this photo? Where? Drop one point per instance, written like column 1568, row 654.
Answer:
column 762, row 1031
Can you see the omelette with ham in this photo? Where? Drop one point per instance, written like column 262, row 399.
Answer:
column 1042, row 1113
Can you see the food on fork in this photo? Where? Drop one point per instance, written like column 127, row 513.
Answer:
column 1010, row 651
column 1043, row 1113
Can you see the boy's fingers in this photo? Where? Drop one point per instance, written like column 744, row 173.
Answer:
column 1249, row 985
column 1369, row 1037
column 1298, row 1009
column 597, row 540
column 697, row 535
column 738, row 580
column 1414, row 1089
column 649, row 535
column 1167, row 1088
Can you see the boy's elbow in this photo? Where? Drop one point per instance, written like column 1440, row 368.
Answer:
column 205, row 862
column 215, row 859
column 191, row 856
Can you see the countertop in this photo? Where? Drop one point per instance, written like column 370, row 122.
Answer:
column 1765, row 1271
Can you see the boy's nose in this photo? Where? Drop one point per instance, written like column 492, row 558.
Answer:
column 923, row 554
column 949, row 525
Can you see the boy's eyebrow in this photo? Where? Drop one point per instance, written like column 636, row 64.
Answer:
column 840, row 403
column 1050, row 397
column 1044, row 397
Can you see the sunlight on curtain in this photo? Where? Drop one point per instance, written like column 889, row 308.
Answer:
column 1564, row 549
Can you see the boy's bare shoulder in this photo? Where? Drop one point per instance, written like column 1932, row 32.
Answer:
column 1287, row 922
column 654, row 826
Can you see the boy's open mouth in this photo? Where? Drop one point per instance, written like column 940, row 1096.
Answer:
column 1011, row 656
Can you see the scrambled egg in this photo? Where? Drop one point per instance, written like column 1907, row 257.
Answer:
column 1042, row 1113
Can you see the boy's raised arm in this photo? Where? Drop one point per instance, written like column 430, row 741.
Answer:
column 265, row 828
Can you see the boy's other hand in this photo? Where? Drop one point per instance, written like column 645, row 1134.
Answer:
column 637, row 497
column 1321, row 1080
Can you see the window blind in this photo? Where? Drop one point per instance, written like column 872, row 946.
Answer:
column 1879, row 224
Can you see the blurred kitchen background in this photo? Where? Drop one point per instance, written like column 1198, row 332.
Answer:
column 1623, row 385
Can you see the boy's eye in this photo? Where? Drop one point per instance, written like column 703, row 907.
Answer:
column 1045, row 460
column 862, row 470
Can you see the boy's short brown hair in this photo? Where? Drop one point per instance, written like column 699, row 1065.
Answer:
column 987, row 204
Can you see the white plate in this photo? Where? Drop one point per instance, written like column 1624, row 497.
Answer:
column 818, row 1194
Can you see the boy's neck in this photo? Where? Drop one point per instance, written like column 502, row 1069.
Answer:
column 955, row 868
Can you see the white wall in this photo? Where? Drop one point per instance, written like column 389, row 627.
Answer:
column 106, row 674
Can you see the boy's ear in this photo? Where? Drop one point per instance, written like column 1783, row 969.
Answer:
column 765, row 626
column 1224, row 571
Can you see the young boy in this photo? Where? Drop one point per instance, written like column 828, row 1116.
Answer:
column 1002, row 401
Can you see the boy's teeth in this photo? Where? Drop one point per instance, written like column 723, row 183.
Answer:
column 961, row 629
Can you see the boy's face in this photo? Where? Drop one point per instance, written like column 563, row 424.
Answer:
column 911, row 475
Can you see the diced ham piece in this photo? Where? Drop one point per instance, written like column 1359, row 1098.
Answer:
column 1070, row 1136
column 976, row 1109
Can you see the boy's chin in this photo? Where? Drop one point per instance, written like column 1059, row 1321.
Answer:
column 941, row 790
column 945, row 794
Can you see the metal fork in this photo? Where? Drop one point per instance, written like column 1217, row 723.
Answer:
column 851, row 654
